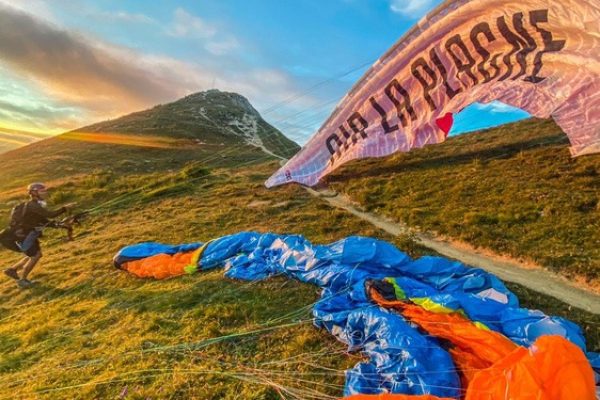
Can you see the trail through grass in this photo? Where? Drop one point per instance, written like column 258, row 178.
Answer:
column 90, row 331
column 512, row 189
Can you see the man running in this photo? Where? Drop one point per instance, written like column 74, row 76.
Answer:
column 28, row 220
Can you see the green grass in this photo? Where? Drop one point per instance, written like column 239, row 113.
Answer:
column 91, row 331
column 513, row 189
column 89, row 324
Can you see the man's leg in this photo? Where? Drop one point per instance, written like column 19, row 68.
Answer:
column 33, row 260
column 12, row 271
column 20, row 264
column 9, row 240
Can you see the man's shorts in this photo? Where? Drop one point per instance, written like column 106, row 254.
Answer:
column 30, row 245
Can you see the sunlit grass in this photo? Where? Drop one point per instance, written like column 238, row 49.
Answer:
column 88, row 330
column 513, row 189
column 91, row 331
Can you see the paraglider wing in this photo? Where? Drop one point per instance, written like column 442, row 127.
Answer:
column 426, row 327
column 536, row 55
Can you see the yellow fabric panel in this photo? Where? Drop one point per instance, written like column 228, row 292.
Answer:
column 431, row 305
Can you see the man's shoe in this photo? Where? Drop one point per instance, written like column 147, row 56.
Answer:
column 24, row 283
column 11, row 273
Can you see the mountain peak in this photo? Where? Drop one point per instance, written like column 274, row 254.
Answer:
column 219, row 97
column 212, row 116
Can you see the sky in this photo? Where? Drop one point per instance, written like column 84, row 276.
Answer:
column 69, row 63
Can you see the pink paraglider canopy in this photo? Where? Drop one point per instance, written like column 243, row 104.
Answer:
column 538, row 55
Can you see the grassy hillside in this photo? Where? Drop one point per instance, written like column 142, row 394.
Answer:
column 214, row 128
column 513, row 189
column 65, row 160
column 88, row 324
column 90, row 331
column 211, row 117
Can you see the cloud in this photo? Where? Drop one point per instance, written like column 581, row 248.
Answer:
column 122, row 17
column 42, row 9
column 81, row 77
column 40, row 116
column 79, row 70
column 496, row 107
column 186, row 25
column 413, row 9
column 189, row 26
column 222, row 47
column 39, row 8
column 22, row 106
column 44, row 112
column 16, row 139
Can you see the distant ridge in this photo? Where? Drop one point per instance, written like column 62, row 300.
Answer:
column 213, row 128
column 12, row 138
column 211, row 117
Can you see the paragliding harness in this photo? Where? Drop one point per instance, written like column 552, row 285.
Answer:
column 17, row 217
column 16, row 233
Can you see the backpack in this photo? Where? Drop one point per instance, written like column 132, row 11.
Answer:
column 17, row 215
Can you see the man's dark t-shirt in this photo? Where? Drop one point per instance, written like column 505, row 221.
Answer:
column 36, row 216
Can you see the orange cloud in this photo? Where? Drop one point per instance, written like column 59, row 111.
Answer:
column 88, row 73
column 86, row 77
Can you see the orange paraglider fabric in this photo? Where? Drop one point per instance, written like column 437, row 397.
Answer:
column 160, row 266
column 473, row 347
column 393, row 397
column 494, row 368
column 551, row 369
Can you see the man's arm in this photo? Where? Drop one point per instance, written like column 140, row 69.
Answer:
column 35, row 208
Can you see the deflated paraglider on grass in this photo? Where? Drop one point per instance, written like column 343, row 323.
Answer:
column 429, row 326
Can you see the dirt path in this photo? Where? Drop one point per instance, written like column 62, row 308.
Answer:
column 539, row 280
